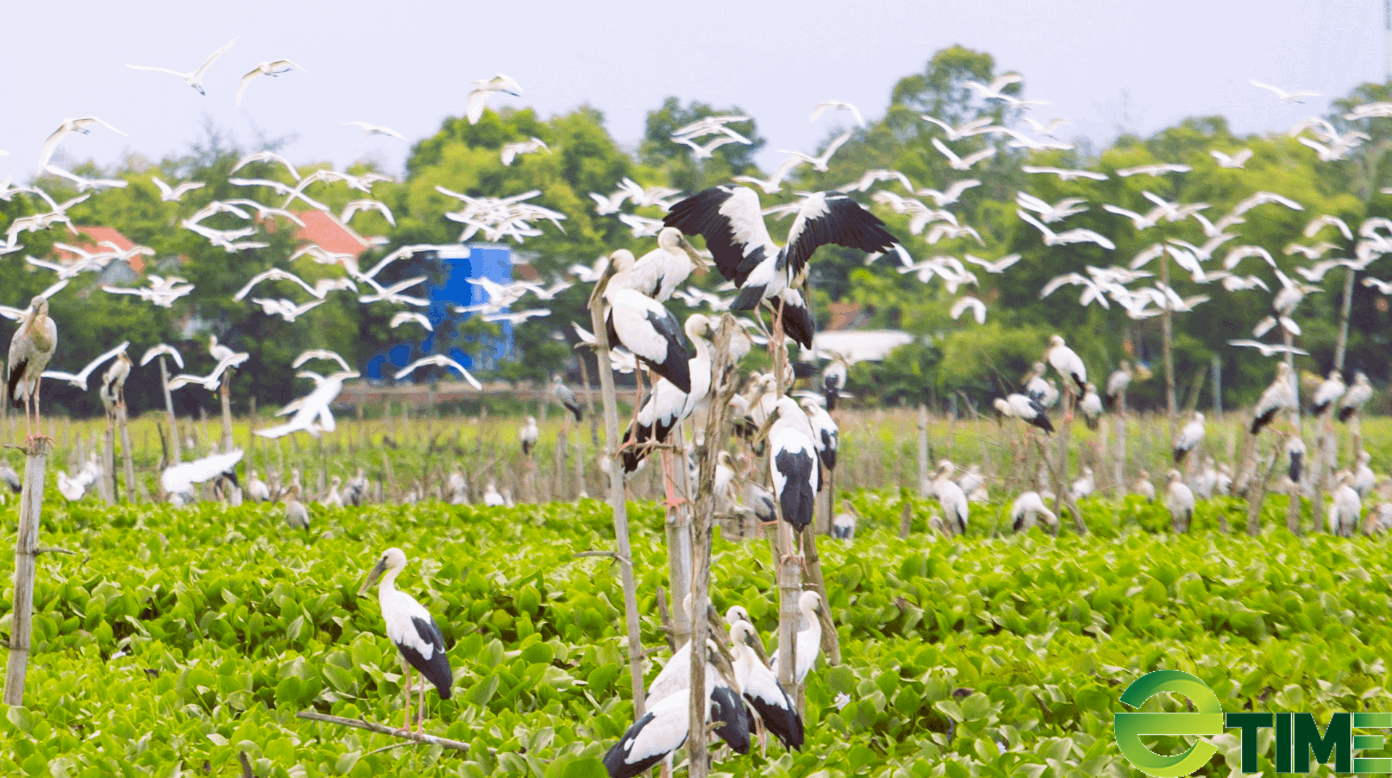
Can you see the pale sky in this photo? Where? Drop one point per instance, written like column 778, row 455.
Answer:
column 409, row 64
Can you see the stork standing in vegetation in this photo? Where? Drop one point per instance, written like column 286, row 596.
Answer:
column 296, row 514
column 30, row 350
column 529, row 434
column 1117, row 383
column 1026, row 409
column 413, row 630
column 1179, row 499
column 667, row 405
column 1344, row 507
column 761, row 689
column 1189, row 437
column 1328, row 393
column 1029, row 508
column 1069, row 365
column 814, row 619
column 951, row 497
column 1091, row 406
column 1352, row 401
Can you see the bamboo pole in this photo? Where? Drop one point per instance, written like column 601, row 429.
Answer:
column 26, row 556
column 1119, row 466
column 127, row 453
column 616, row 493
column 678, row 526
column 226, row 392
column 1165, row 332
column 1342, row 344
column 922, row 450
column 788, row 576
column 108, row 476
column 175, row 443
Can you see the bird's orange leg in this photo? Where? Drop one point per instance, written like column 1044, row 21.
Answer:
column 420, row 710
column 38, row 420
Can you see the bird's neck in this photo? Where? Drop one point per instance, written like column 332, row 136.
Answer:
column 388, row 584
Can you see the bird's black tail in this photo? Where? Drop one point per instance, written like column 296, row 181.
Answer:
column 831, row 397
column 579, row 412
column 1344, row 413
column 16, row 372
column 1091, row 422
column 1179, row 454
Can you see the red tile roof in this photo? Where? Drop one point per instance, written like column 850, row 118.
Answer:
column 97, row 235
column 330, row 233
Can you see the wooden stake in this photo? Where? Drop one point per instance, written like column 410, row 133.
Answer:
column 174, row 441
column 127, row 453
column 616, row 495
column 26, row 556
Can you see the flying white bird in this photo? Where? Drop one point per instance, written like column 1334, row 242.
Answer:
column 964, row 302
column 1064, row 174
column 68, row 127
column 963, row 163
column 272, row 69
column 485, row 88
column 79, row 379
column 1283, row 95
column 1071, row 236
column 1153, row 170
column 992, row 91
column 840, row 106
column 401, row 317
column 997, row 266
column 180, row 479
column 83, row 184
column 1237, row 159
column 439, row 360
column 353, row 207
column 819, row 163
column 530, row 146
column 320, row 353
column 264, row 156
column 159, row 350
column 194, row 79
column 374, row 129
column 170, row 194
column 973, row 127
column 213, row 379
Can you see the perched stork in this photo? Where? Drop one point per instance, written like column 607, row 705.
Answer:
column 814, row 618
column 413, row 630
column 1329, row 393
column 1349, row 404
column 1295, row 456
column 296, row 514
column 491, row 497
column 1083, row 486
column 834, row 380
column 1117, row 383
column 1345, row 507
column 732, row 222
column 793, row 464
column 257, row 489
column 664, row 727
column 951, row 497
column 113, row 385
column 1189, row 437
column 667, row 405
column 30, row 350
column 1279, row 396
column 1363, row 479
column 1179, row 499
column 1026, row 409
column 528, row 435
column 826, row 435
column 567, row 398
column 843, row 524
column 641, row 325
column 659, row 272
column 1143, row 486
column 1069, row 365
column 1091, row 406
column 973, row 484
column 1036, row 388
column 1029, row 508
column 761, row 689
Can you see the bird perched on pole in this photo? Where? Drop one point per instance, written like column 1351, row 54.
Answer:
column 1068, row 364
column 667, row 405
column 30, row 350
column 567, row 398
column 1179, row 498
column 826, row 435
column 761, row 689
column 1026, row 409
column 529, row 434
column 793, row 464
column 1189, row 437
column 1117, row 383
column 413, row 630
column 113, row 384
column 834, row 380
column 1345, row 507
column 1355, row 397
column 1295, row 456
column 1279, row 396
column 641, row 325
column 1091, row 406
column 1328, row 393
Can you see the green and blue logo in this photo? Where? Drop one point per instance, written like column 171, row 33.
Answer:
column 1298, row 736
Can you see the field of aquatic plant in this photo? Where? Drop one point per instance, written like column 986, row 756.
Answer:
column 174, row 640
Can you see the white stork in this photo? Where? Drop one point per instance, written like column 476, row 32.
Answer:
column 667, row 405
column 1329, row 393
column 1189, row 437
column 826, row 435
column 79, row 379
column 1083, row 485
column 843, row 524
column 1026, row 409
column 1279, row 396
column 951, row 497
column 834, row 380
column 1069, row 365
column 793, row 463
column 413, row 630
column 296, row 514
column 814, row 618
column 1179, row 498
column 1117, row 383
column 113, row 385
column 732, row 222
column 492, row 497
column 1352, row 401
column 664, row 727
column 31, row 348
column 567, row 398
column 1029, row 508
column 180, row 479
column 528, row 435
column 1295, row 456
column 641, row 325
column 1091, row 406
column 257, row 489
column 659, row 272
column 1143, row 486
column 761, row 689
column 1345, row 507
column 1364, row 479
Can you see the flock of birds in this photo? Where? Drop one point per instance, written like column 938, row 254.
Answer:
column 766, row 286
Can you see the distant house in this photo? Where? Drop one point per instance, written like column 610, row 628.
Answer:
column 331, row 234
column 89, row 243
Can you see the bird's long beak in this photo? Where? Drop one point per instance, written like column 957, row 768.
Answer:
column 724, row 665
column 373, row 575
column 603, row 282
column 828, row 627
column 757, row 643
column 699, row 261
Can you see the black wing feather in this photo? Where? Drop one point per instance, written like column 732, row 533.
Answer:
column 845, row 223
column 799, row 496
column 726, row 706
column 674, row 366
column 436, row 669
column 700, row 215
column 16, row 373
column 615, row 759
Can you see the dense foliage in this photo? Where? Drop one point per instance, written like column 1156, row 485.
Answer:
column 176, row 639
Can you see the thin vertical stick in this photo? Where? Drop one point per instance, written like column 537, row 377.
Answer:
column 678, row 526
column 26, row 555
column 1165, row 331
column 788, row 574
column 922, row 450
column 127, row 457
column 169, row 406
column 108, row 478
column 227, row 410
column 616, row 495
column 1342, row 345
